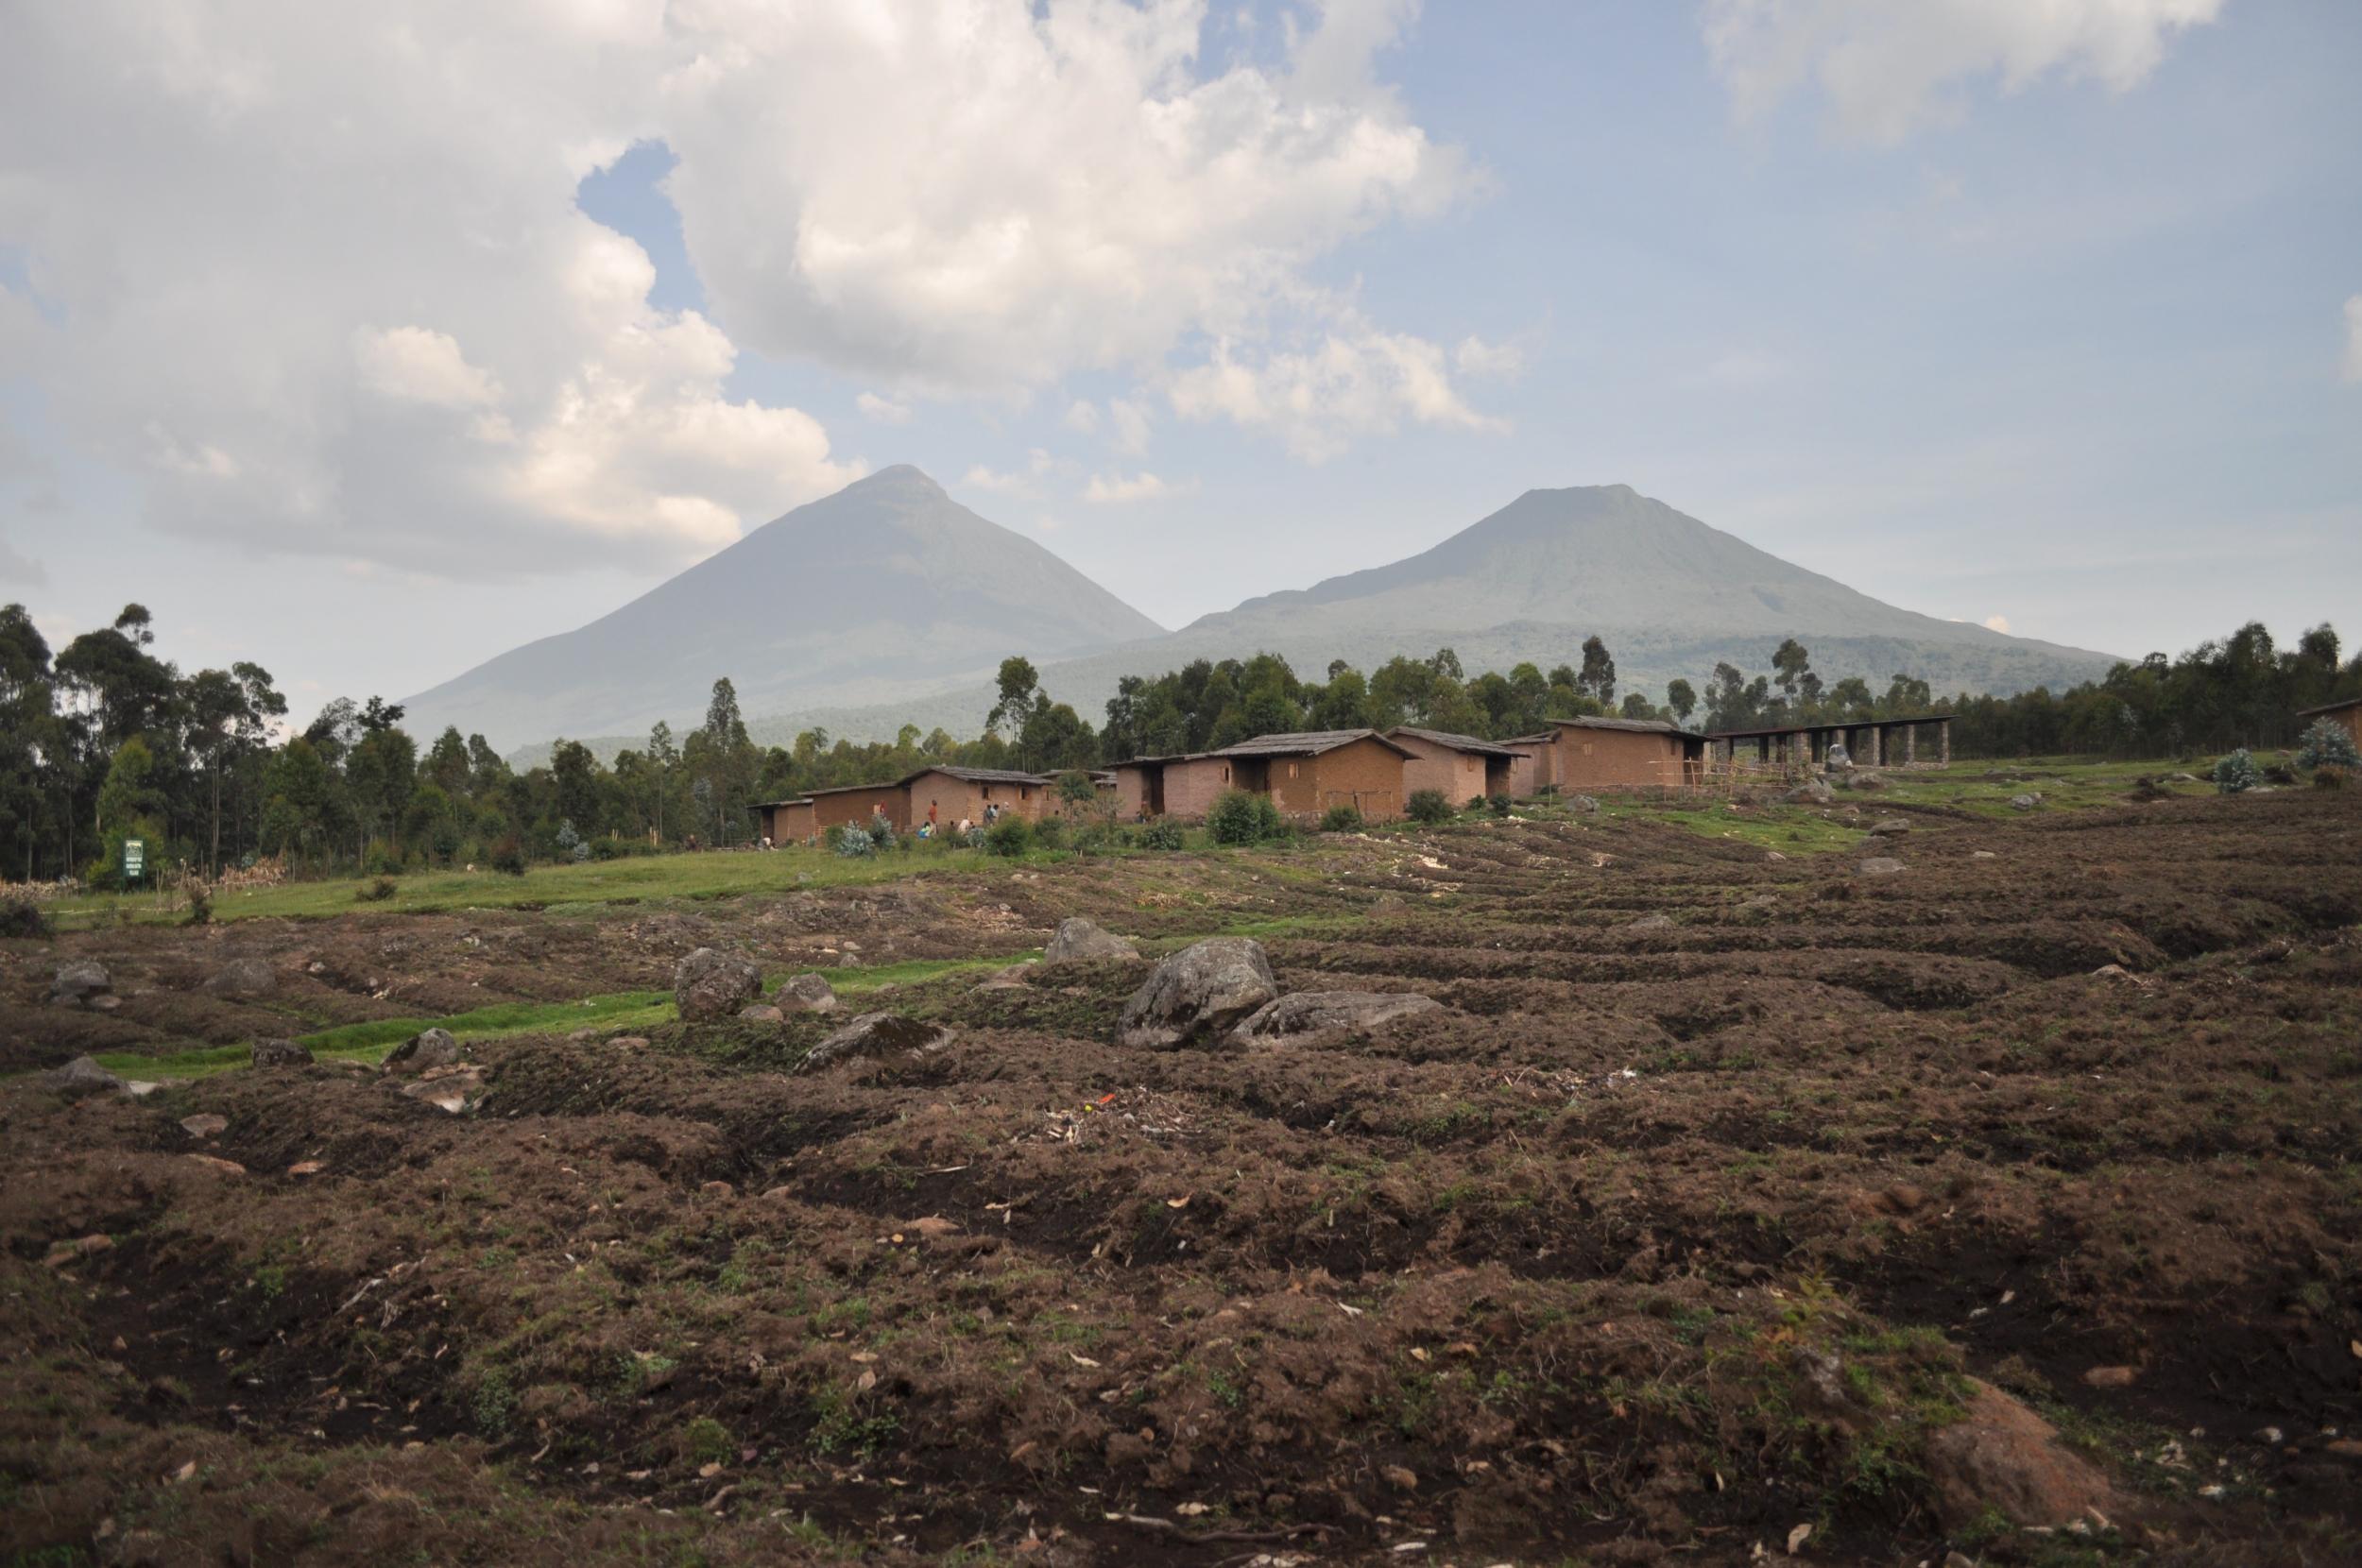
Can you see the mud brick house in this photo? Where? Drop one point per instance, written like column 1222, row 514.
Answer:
column 1624, row 754
column 1529, row 763
column 1183, row 785
column 1461, row 767
column 858, row 802
column 1308, row 773
column 957, row 793
column 786, row 821
column 2346, row 715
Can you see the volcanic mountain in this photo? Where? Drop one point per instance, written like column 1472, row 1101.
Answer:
column 885, row 590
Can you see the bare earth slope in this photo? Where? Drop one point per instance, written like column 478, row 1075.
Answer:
column 1718, row 1201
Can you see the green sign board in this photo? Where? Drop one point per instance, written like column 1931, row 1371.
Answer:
column 134, row 856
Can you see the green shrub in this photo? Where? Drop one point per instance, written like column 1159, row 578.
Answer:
column 2327, row 746
column 1237, row 817
column 2329, row 778
column 1341, row 819
column 1049, row 833
column 508, row 855
column 1428, row 806
column 376, row 890
column 1499, row 804
column 1010, row 836
column 22, row 918
column 201, row 903
column 881, row 830
column 1164, row 833
column 2236, row 773
column 853, row 842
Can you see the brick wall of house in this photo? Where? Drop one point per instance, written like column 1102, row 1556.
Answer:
column 1614, row 759
column 1366, row 774
column 835, row 807
column 1191, row 786
column 1532, row 769
column 1460, row 775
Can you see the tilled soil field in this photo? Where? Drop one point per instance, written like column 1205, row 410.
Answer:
column 2005, row 1205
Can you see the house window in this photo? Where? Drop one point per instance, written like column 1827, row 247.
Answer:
column 1292, row 770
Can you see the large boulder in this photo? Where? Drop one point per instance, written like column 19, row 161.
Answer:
column 1319, row 1011
column 1200, row 993
column 78, row 1078
column 281, row 1053
column 876, row 1034
column 78, row 983
column 1078, row 937
column 2004, row 1457
column 242, row 977
column 1892, row 826
column 708, row 984
column 806, row 993
column 427, row 1049
column 2028, row 801
column 1812, row 791
column 1587, row 805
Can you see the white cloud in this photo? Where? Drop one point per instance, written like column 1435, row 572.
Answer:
column 1082, row 416
column 1024, row 484
column 2353, row 338
column 419, row 365
column 1032, row 189
column 1141, row 487
column 316, row 280
column 1998, row 623
column 1738, row 371
column 884, row 410
column 1344, row 383
column 1476, row 357
column 1888, row 68
column 1130, row 426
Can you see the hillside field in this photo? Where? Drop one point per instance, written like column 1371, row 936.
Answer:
column 1746, row 1200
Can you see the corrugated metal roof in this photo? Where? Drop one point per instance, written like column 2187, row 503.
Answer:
column 774, row 805
column 1457, row 743
column 981, row 776
column 1304, row 743
column 1822, row 726
column 1640, row 726
column 848, row 788
column 2330, row 707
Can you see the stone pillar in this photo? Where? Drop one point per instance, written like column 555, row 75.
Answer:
column 1944, row 741
column 1910, row 744
column 1877, row 746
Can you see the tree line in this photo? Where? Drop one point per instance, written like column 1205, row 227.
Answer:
column 102, row 741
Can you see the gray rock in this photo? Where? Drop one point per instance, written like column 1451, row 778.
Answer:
column 1812, row 791
column 80, row 980
column 1016, row 976
column 876, row 1034
column 78, row 1078
column 1078, row 937
column 281, row 1053
column 2025, row 802
column 242, row 977
column 1881, row 865
column 708, row 984
column 431, row 1048
column 1201, row 992
column 761, row 1013
column 1585, row 804
column 807, row 993
column 1317, row 1012
column 1892, row 826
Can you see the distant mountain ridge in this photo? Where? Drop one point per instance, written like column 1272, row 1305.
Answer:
column 865, row 650
column 887, row 588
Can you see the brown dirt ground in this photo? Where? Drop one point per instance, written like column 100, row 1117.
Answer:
column 1549, row 1276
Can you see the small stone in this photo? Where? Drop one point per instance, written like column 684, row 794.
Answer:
column 1078, row 937
column 807, row 993
column 307, row 1168
column 1583, row 804
column 762, row 1013
column 1881, row 865
column 281, row 1053
column 242, row 978
column 1320, row 1011
column 1400, row 1478
column 1982, row 854
column 629, row 1042
column 2025, row 802
column 429, row 1048
column 205, row 1124
column 80, row 980
column 214, row 1161
column 1652, row 923
column 708, row 984
column 876, row 1034
column 79, row 1078
column 1892, row 826
column 2111, row 1377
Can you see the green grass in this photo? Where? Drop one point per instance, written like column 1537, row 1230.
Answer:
column 1790, row 829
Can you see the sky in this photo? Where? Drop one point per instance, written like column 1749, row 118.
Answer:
column 367, row 345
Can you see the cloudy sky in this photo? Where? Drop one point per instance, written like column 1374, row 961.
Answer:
column 370, row 343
